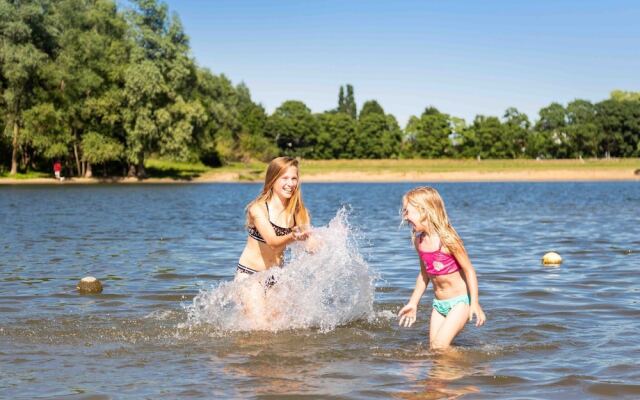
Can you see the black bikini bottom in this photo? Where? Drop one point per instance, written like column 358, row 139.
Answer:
column 250, row 271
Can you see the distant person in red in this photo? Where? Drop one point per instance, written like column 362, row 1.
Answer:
column 57, row 169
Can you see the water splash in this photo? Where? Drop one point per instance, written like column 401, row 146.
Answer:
column 324, row 289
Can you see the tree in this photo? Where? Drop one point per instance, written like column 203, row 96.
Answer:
column 513, row 143
column 293, row 128
column 483, row 139
column 160, row 113
column 5, row 147
column 551, row 139
column 458, row 126
column 90, row 64
column 337, row 130
column 253, row 119
column 347, row 104
column 619, row 122
column 44, row 130
column 377, row 136
column 350, row 103
column 582, row 130
column 216, row 136
column 25, row 48
column 370, row 107
column 621, row 95
column 100, row 149
column 430, row 134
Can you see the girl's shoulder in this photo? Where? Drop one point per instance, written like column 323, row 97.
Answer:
column 430, row 242
column 417, row 239
column 256, row 209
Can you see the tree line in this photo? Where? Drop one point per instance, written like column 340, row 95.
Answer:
column 101, row 86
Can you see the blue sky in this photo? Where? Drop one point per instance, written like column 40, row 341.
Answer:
column 463, row 57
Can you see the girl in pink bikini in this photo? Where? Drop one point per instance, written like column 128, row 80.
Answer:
column 443, row 261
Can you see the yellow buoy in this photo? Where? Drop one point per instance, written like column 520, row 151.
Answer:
column 89, row 284
column 552, row 258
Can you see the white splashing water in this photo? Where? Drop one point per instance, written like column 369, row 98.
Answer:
column 324, row 289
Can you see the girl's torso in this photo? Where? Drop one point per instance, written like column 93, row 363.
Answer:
column 441, row 267
column 257, row 254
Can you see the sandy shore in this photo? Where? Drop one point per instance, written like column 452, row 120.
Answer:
column 358, row 176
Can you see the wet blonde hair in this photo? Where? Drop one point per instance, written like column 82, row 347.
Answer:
column 295, row 206
column 433, row 215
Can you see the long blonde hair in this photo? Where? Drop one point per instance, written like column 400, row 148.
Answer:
column 295, row 206
column 429, row 204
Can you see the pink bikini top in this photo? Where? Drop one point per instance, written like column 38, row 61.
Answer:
column 438, row 263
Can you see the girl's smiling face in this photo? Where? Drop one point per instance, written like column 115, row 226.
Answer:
column 412, row 215
column 287, row 183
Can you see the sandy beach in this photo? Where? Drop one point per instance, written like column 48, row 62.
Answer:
column 360, row 176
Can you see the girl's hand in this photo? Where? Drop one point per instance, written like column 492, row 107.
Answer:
column 299, row 233
column 407, row 315
column 477, row 310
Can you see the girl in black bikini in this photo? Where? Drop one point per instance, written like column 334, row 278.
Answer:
column 274, row 219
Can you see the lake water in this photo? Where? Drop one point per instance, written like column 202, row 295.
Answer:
column 552, row 332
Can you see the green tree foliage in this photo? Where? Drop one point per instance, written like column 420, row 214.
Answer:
column 45, row 131
column 619, row 122
column 429, row 135
column 377, row 136
column 99, row 149
column 458, row 127
column 582, row 131
column 347, row 104
column 483, row 137
column 214, row 141
column 550, row 138
column 93, row 56
column 621, row 95
column 253, row 120
column 350, row 103
column 5, row 147
column 293, row 128
column 337, row 130
column 515, row 133
column 75, row 67
column 160, row 111
column 26, row 46
column 371, row 107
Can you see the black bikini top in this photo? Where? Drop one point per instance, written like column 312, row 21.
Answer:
column 280, row 231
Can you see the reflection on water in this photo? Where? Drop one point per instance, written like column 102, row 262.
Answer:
column 440, row 376
column 565, row 332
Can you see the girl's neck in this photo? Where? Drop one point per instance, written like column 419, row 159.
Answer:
column 429, row 242
column 277, row 204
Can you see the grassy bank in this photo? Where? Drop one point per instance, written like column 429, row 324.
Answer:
column 311, row 168
column 450, row 165
column 25, row 176
column 383, row 170
column 157, row 168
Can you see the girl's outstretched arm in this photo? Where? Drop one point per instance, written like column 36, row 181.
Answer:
column 260, row 219
column 409, row 312
column 472, row 284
